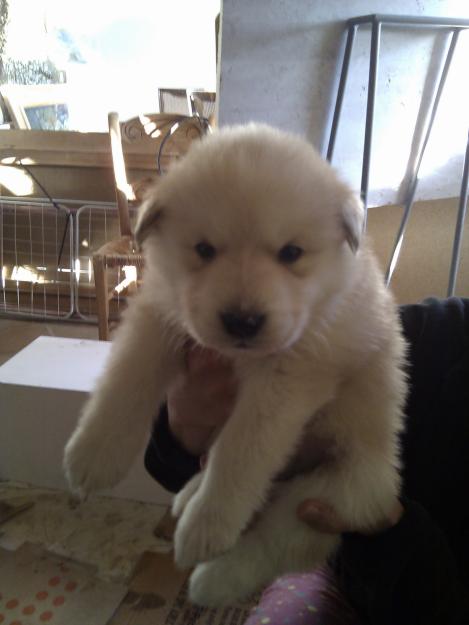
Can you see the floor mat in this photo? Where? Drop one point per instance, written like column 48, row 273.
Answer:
column 37, row 587
column 158, row 596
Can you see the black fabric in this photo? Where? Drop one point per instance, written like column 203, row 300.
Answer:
column 165, row 460
column 418, row 571
column 435, row 444
column 407, row 575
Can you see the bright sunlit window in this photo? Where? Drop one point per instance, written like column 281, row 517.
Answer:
column 67, row 64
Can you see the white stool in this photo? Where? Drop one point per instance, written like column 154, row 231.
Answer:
column 42, row 390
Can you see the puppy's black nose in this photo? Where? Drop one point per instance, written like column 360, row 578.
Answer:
column 241, row 324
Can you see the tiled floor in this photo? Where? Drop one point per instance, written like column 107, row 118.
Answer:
column 15, row 335
column 106, row 533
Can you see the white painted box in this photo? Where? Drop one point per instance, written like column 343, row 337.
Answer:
column 42, row 390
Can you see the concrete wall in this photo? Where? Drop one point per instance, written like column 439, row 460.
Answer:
column 279, row 64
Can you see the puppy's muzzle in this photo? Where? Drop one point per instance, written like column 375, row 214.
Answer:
column 241, row 324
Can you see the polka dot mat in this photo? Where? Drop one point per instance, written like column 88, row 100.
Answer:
column 39, row 588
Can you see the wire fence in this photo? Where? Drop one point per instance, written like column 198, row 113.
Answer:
column 46, row 258
column 95, row 225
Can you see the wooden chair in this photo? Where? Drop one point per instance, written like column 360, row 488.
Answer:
column 157, row 131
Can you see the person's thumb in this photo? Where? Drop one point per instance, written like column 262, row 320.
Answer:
column 320, row 516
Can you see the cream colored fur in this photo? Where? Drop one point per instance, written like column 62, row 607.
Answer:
column 324, row 372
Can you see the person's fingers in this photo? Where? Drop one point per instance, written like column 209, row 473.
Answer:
column 198, row 358
column 219, row 388
column 392, row 519
column 321, row 517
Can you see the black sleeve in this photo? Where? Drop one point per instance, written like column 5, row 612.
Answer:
column 406, row 575
column 165, row 460
column 418, row 571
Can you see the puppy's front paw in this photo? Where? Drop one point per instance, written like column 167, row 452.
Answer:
column 185, row 495
column 93, row 462
column 204, row 531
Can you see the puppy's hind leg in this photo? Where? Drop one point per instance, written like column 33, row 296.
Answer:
column 277, row 543
column 361, row 490
column 118, row 415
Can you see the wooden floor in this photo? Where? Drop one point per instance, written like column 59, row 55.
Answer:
column 55, row 304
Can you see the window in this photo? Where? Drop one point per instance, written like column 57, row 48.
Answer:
column 65, row 65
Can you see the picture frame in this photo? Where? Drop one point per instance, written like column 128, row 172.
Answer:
column 187, row 102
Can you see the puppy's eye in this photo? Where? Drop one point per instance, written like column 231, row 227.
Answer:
column 289, row 253
column 205, row 250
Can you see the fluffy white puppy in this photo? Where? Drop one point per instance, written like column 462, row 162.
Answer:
column 254, row 248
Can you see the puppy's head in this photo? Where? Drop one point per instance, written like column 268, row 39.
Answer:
column 251, row 234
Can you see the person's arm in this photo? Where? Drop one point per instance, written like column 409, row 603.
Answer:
column 166, row 459
column 406, row 574
column 198, row 405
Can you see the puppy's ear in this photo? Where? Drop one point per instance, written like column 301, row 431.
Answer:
column 148, row 218
column 352, row 219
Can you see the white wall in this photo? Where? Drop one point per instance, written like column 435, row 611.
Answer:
column 280, row 63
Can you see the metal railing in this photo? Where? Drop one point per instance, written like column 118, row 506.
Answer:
column 453, row 26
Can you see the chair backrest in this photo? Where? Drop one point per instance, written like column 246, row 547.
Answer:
column 153, row 134
column 123, row 189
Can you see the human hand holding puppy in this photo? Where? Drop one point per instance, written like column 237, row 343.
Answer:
column 201, row 402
